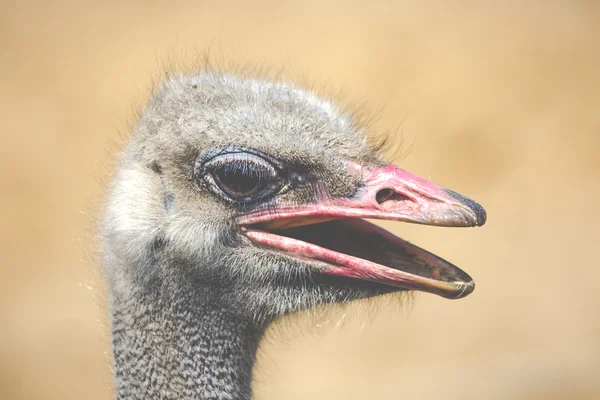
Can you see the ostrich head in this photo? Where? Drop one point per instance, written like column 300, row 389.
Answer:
column 262, row 190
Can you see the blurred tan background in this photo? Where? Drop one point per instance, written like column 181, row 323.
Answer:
column 500, row 100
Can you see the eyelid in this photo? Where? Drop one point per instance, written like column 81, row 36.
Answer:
column 223, row 159
column 212, row 154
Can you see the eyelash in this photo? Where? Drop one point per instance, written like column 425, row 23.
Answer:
column 243, row 164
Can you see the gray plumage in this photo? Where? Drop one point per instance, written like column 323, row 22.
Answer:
column 190, row 296
column 189, row 304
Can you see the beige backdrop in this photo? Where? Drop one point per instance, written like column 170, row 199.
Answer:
column 500, row 101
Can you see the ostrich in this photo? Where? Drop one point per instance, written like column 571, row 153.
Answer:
column 238, row 201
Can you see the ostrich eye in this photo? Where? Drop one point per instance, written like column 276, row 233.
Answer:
column 243, row 177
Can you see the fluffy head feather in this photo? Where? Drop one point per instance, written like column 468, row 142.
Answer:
column 162, row 225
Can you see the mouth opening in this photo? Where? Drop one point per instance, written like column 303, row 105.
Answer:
column 356, row 248
column 352, row 238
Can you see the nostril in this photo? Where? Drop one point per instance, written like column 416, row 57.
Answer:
column 383, row 195
column 388, row 194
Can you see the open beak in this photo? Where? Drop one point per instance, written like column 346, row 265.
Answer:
column 334, row 237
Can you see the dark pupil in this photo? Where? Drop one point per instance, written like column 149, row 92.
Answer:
column 239, row 181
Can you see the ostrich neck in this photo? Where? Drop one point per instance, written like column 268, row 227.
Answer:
column 169, row 344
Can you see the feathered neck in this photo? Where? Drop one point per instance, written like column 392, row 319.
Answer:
column 172, row 342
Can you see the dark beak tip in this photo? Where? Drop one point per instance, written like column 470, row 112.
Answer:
column 476, row 208
column 480, row 214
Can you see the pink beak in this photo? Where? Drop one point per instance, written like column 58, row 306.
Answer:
column 388, row 193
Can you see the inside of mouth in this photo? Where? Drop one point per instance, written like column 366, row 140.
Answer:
column 361, row 239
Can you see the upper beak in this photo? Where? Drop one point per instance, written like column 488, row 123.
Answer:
column 392, row 193
column 388, row 193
